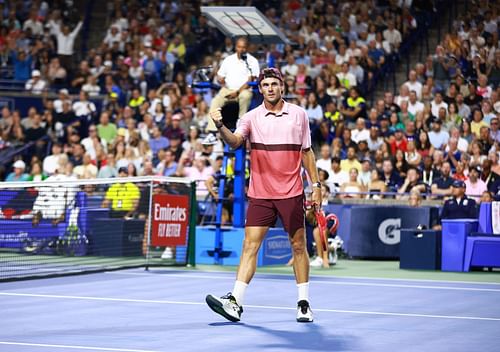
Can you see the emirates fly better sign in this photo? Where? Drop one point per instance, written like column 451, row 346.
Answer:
column 170, row 220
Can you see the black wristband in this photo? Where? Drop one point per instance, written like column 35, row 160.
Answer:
column 219, row 126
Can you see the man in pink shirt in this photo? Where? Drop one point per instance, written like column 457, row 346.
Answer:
column 474, row 186
column 200, row 171
column 280, row 142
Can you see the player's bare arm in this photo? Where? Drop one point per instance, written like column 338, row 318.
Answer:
column 309, row 162
column 233, row 139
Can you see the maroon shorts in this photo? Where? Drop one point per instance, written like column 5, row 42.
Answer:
column 264, row 212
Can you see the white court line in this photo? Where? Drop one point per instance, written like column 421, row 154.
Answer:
column 317, row 276
column 324, row 282
column 132, row 300
column 74, row 347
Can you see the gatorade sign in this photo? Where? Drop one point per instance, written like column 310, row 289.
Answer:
column 169, row 220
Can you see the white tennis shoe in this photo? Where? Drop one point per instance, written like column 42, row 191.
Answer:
column 304, row 312
column 225, row 306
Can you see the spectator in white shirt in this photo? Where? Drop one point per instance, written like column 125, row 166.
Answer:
column 86, row 170
column 36, row 85
column 393, row 36
column 33, row 24
column 404, row 95
column 476, row 41
column 462, row 144
column 413, row 84
column 91, row 86
column 51, row 162
column 337, row 176
column 56, row 74
column 437, row 136
column 65, row 42
column 97, row 66
column 234, row 74
column 342, row 55
column 414, row 106
column 324, row 161
column 112, row 36
column 374, row 140
column 313, row 110
column 121, row 20
column 383, row 44
column 360, row 133
column 62, row 98
column 356, row 69
column 291, row 68
column 93, row 143
column 84, row 107
column 463, row 109
column 437, row 104
column 490, row 23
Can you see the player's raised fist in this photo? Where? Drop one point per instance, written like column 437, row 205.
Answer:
column 216, row 117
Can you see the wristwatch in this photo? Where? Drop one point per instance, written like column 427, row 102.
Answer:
column 219, row 125
column 316, row 185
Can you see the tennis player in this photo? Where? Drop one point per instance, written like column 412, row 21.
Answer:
column 280, row 141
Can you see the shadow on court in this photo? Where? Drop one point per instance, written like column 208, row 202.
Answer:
column 313, row 337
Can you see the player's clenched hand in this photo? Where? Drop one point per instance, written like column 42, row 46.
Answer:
column 216, row 116
column 317, row 197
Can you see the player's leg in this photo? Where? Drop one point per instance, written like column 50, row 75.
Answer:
column 292, row 214
column 300, row 256
column 230, row 306
column 301, row 270
column 261, row 214
column 254, row 235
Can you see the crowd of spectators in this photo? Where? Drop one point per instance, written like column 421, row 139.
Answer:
column 442, row 126
column 129, row 102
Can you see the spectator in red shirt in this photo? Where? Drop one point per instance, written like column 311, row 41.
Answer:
column 398, row 142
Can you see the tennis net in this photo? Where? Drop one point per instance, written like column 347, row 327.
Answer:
column 63, row 226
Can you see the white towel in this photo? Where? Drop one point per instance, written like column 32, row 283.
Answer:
column 495, row 217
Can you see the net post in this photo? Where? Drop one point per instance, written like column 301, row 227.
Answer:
column 192, row 226
column 149, row 221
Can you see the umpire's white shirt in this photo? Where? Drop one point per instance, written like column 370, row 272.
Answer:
column 235, row 71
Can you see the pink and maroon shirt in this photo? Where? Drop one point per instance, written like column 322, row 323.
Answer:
column 277, row 141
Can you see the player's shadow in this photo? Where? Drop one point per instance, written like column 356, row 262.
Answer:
column 313, row 337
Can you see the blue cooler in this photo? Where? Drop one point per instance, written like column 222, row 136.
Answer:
column 455, row 234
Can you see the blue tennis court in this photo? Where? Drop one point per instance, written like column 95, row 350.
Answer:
column 164, row 310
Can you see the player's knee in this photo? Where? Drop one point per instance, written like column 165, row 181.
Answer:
column 250, row 247
column 298, row 245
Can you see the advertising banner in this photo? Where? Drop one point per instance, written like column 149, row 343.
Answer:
column 170, row 219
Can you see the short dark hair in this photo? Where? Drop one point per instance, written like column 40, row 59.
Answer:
column 241, row 38
column 414, row 168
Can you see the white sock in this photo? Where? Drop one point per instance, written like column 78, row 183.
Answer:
column 303, row 289
column 239, row 291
